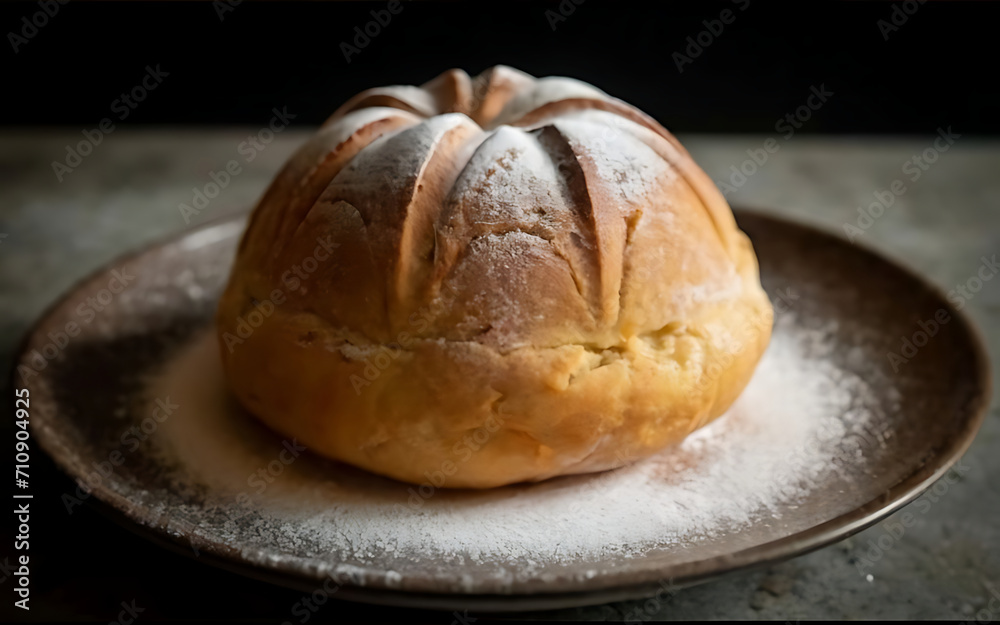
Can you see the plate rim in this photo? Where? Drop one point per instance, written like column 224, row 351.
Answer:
column 639, row 582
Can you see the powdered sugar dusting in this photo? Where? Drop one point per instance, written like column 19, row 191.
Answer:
column 545, row 90
column 619, row 157
column 507, row 178
column 789, row 431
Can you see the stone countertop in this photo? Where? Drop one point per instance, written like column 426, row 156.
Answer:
column 126, row 193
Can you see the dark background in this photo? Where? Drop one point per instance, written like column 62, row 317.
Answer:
column 939, row 64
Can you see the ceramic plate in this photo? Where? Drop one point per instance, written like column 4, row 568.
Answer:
column 872, row 387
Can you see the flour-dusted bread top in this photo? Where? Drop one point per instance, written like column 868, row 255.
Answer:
column 515, row 211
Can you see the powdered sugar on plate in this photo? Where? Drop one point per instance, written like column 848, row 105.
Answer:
column 792, row 428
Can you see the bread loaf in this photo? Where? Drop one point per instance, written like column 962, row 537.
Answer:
column 489, row 280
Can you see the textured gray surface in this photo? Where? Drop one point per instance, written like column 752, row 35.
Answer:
column 126, row 193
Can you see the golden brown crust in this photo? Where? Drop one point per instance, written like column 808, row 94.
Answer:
column 528, row 262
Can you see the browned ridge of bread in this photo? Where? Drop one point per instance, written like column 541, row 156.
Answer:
column 495, row 242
